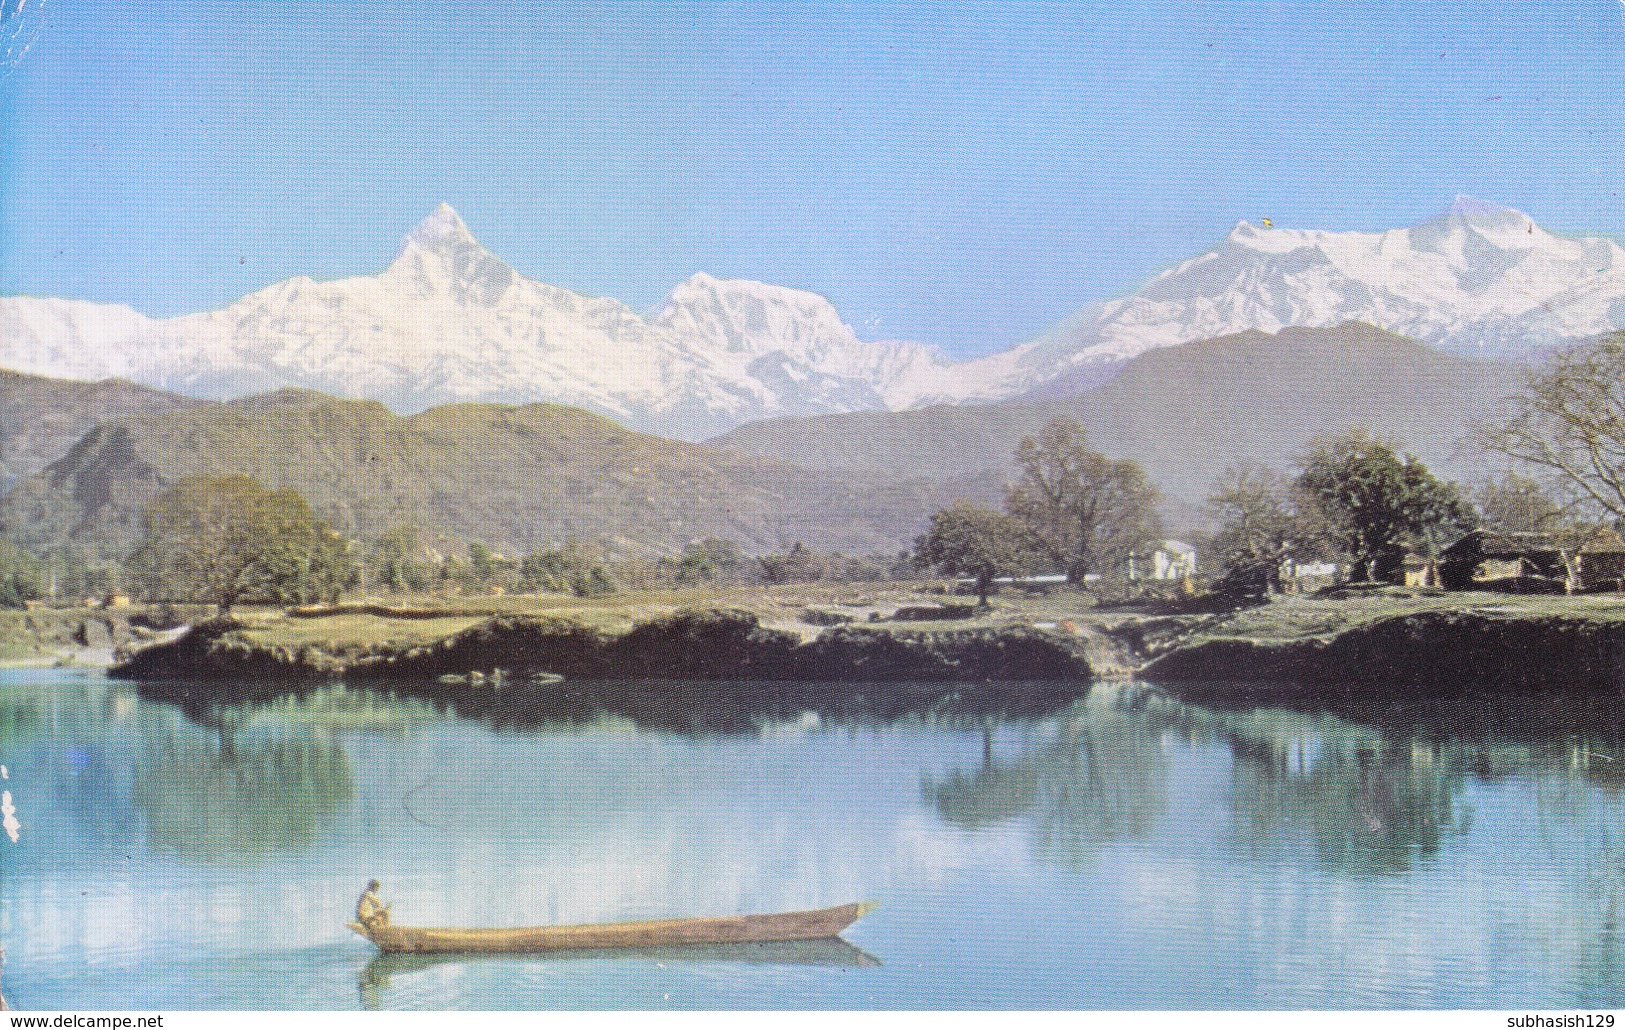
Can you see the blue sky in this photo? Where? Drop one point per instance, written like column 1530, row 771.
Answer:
column 959, row 174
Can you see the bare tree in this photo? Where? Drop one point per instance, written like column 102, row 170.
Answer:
column 1570, row 422
column 1260, row 527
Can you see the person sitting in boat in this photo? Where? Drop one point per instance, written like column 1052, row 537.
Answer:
column 370, row 910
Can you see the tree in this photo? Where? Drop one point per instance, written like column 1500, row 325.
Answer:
column 1260, row 527
column 1087, row 511
column 708, row 560
column 567, row 570
column 1373, row 502
column 224, row 540
column 19, row 577
column 397, row 560
column 1516, row 505
column 969, row 540
column 798, row 565
column 481, row 565
column 1569, row 421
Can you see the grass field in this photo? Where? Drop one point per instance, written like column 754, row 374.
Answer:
column 804, row 609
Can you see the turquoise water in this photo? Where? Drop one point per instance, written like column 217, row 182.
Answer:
column 1119, row 851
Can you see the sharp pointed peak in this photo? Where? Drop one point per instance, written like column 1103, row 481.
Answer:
column 443, row 223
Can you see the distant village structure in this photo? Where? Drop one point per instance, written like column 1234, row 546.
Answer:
column 1526, row 563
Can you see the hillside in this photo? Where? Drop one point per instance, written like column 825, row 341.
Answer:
column 517, row 478
column 41, row 419
column 1184, row 412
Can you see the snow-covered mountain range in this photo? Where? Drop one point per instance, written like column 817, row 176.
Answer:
column 1478, row 280
column 449, row 321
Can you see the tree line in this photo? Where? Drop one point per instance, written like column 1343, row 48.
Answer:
column 232, row 540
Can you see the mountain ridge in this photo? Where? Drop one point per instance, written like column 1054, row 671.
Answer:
column 521, row 477
column 447, row 321
column 42, row 418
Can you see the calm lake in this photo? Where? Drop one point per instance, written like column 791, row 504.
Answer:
column 1121, row 850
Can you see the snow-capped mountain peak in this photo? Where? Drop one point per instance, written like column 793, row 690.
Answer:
column 440, row 257
column 449, row 321
column 1479, row 278
column 753, row 318
column 442, row 226
column 795, row 343
column 1471, row 207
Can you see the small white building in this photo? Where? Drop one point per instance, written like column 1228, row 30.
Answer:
column 1173, row 559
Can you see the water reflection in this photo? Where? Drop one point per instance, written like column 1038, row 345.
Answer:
column 242, row 793
column 1099, row 774
column 1373, row 797
column 378, row 975
column 1370, row 806
column 1183, row 854
column 710, row 708
column 1486, row 734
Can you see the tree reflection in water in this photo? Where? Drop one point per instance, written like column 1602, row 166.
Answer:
column 1369, row 805
column 1379, row 782
column 270, row 769
column 1374, row 790
column 239, row 791
column 1097, row 773
column 719, row 708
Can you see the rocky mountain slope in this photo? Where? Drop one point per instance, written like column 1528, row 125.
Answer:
column 41, row 419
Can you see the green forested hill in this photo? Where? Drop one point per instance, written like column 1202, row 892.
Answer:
column 1185, row 412
column 517, row 478
column 40, row 418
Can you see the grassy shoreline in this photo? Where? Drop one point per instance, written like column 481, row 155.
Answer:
column 1381, row 639
column 1396, row 642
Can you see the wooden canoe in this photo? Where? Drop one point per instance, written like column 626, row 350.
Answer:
column 783, row 926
